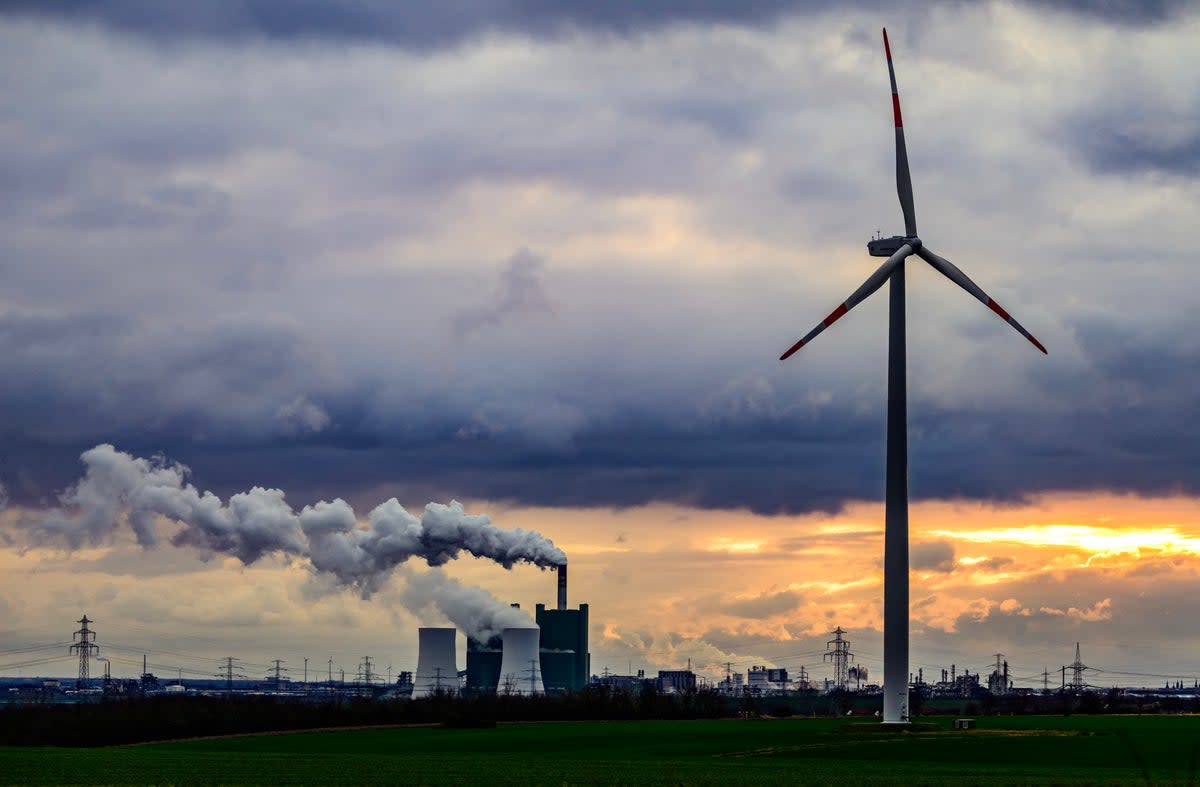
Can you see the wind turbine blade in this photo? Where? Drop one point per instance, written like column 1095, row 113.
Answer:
column 951, row 272
column 874, row 282
column 903, row 178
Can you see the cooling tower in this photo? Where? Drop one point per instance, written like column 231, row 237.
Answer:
column 521, row 664
column 562, row 586
column 436, row 667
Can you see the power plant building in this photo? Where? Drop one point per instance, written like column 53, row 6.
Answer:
column 566, row 663
column 563, row 662
column 483, row 664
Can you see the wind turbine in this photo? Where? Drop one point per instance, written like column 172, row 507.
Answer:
column 895, row 540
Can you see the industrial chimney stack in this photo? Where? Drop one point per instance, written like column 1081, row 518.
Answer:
column 562, row 586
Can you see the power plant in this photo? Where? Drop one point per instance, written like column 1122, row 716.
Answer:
column 560, row 651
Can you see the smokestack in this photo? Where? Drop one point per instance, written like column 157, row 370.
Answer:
column 437, row 668
column 521, row 663
column 562, row 586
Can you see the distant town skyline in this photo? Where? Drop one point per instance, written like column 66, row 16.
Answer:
column 543, row 262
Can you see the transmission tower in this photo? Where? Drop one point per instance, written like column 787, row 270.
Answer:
column 278, row 674
column 86, row 647
column 998, row 680
column 1077, row 669
column 365, row 675
column 228, row 674
column 839, row 653
column 533, row 676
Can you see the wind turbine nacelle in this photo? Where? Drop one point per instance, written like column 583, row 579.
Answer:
column 886, row 247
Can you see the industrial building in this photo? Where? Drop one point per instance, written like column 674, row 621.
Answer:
column 766, row 680
column 677, row 681
column 483, row 665
column 564, row 663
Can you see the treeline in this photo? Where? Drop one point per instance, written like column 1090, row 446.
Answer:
column 155, row 718
column 117, row 721
column 1097, row 701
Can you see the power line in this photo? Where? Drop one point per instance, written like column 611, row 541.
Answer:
column 34, row 648
column 16, row 665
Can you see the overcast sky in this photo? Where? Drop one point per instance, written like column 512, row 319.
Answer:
column 542, row 258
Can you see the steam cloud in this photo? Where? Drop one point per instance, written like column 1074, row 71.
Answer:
column 473, row 611
column 119, row 487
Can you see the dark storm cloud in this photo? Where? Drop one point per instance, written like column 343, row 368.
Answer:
column 662, row 451
column 92, row 373
column 1133, row 12
column 1134, row 151
column 430, row 25
column 302, row 268
column 418, row 25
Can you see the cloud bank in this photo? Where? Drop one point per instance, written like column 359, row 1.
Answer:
column 567, row 286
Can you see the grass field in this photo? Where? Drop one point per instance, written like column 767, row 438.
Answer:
column 1002, row 750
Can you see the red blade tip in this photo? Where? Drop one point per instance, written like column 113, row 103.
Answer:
column 791, row 350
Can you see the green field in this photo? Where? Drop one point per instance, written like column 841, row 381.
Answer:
column 1003, row 750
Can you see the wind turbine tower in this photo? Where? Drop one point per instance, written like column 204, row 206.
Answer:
column 895, row 547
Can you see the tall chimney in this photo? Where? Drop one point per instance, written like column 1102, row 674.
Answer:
column 562, row 586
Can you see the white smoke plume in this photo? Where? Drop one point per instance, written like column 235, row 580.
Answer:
column 118, row 487
column 433, row 597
